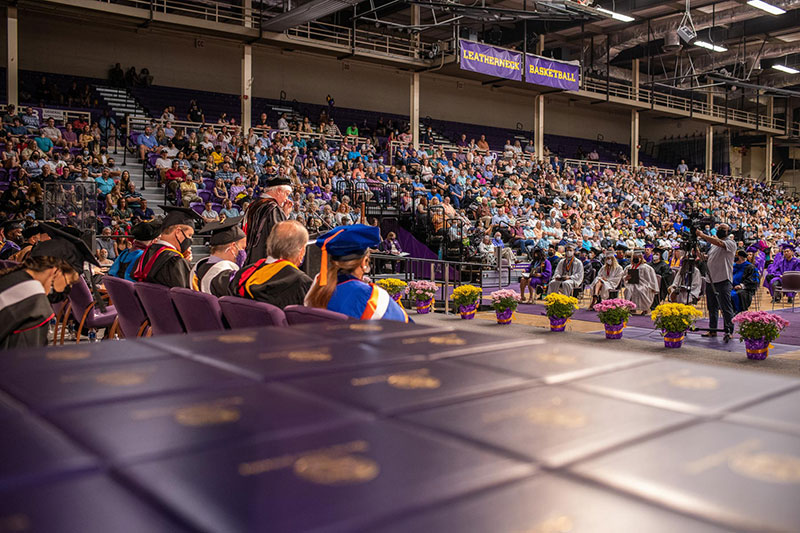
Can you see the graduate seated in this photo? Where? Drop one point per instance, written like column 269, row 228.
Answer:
column 745, row 282
column 786, row 262
column 28, row 289
column 340, row 285
column 686, row 285
column 276, row 279
column 568, row 274
column 536, row 276
column 608, row 279
column 143, row 235
column 641, row 284
column 213, row 274
column 166, row 260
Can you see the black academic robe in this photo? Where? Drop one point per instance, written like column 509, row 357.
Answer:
column 26, row 311
column 169, row 267
column 662, row 269
column 265, row 216
column 213, row 275
column 280, row 283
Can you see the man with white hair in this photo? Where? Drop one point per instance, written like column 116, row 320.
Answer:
column 273, row 207
column 568, row 275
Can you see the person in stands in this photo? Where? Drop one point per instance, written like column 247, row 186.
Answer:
column 213, row 274
column 340, row 285
column 276, row 279
column 143, row 235
column 166, row 260
column 29, row 289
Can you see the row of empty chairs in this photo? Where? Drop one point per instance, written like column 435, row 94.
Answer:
column 150, row 309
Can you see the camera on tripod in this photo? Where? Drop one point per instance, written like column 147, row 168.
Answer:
column 693, row 222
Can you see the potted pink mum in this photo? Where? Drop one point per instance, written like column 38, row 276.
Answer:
column 422, row 292
column 504, row 302
column 757, row 329
column 614, row 315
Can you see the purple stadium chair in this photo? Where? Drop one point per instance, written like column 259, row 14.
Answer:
column 157, row 303
column 198, row 311
column 244, row 313
column 300, row 314
column 83, row 309
column 130, row 313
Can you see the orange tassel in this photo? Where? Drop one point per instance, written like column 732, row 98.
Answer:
column 323, row 269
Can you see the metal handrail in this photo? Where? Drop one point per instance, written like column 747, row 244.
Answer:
column 66, row 114
column 443, row 266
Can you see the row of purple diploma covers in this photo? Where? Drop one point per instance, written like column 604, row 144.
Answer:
column 386, row 427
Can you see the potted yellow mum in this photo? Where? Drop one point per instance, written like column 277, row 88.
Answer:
column 673, row 320
column 466, row 298
column 558, row 308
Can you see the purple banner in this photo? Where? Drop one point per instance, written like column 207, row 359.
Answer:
column 491, row 60
column 558, row 74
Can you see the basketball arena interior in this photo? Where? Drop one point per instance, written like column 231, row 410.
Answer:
column 399, row 266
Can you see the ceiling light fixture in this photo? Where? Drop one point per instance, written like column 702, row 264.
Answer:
column 616, row 16
column 787, row 70
column 709, row 46
column 763, row 6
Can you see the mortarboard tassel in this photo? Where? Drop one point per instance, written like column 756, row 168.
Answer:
column 323, row 269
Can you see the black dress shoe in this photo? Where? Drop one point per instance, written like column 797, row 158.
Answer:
column 709, row 334
column 726, row 337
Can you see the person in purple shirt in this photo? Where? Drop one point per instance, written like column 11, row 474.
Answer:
column 536, row 276
column 786, row 262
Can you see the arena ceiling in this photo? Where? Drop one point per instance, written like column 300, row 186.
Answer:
column 748, row 40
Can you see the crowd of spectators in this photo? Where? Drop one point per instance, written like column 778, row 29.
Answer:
column 481, row 197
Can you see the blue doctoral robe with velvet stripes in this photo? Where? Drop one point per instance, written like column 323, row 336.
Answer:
column 364, row 301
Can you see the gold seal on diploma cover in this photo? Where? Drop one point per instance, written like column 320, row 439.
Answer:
column 206, row 415
column 310, row 356
column 120, row 379
column 327, row 469
column 556, row 417
column 769, row 467
column 233, row 338
column 556, row 524
column 365, row 327
column 684, row 381
column 68, row 355
column 414, row 380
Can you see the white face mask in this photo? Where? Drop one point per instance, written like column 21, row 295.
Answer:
column 569, row 253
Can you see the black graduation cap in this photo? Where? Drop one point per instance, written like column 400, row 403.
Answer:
column 621, row 247
column 224, row 232
column 278, row 180
column 64, row 245
column 32, row 230
column 9, row 225
column 596, row 251
column 179, row 215
column 146, row 231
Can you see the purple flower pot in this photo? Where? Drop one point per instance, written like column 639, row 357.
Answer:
column 614, row 331
column 558, row 324
column 424, row 306
column 673, row 339
column 468, row 311
column 757, row 349
column 504, row 317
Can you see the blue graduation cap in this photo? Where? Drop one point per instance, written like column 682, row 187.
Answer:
column 344, row 243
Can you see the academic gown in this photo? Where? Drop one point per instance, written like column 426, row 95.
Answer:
column 267, row 214
column 364, row 301
column 778, row 267
column 573, row 269
column 609, row 279
column 642, row 293
column 540, row 267
column 662, row 269
column 746, row 275
column 679, row 281
column 125, row 263
column 8, row 249
column 25, row 311
column 162, row 264
column 212, row 275
column 279, row 283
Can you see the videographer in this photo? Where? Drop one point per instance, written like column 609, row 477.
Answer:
column 720, row 272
